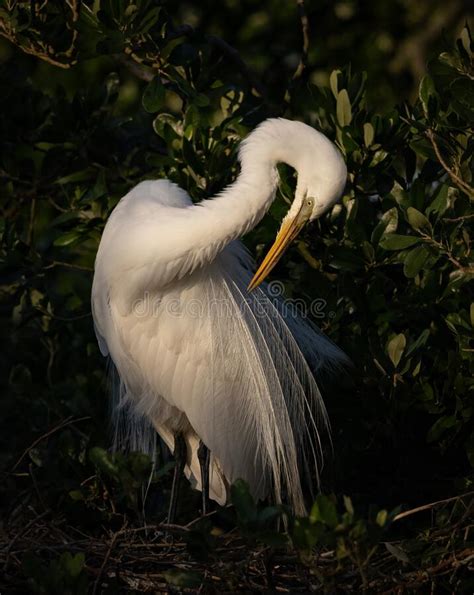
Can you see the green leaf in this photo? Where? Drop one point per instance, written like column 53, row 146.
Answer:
column 183, row 578
column 71, row 237
column 305, row 534
column 466, row 41
column 191, row 159
column 462, row 92
column 348, row 505
column 415, row 260
column 149, row 20
column 103, row 461
column 243, row 501
column 201, row 100
column 166, row 126
column 346, row 259
column 333, row 82
column 394, row 241
column 78, row 176
column 154, row 96
column 424, row 335
column 72, row 564
column 191, row 121
column 387, row 224
column 343, row 109
column 395, row 348
column 428, row 96
column 368, row 134
column 418, row 221
column 441, row 201
column 324, row 511
column 183, row 54
column 397, row 552
column 381, row 518
column 440, row 426
column 268, row 514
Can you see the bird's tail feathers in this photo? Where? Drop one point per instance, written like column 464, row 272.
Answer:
column 279, row 394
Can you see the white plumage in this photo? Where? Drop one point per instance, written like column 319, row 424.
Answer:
column 195, row 351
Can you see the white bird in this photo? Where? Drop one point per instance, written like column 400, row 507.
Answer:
column 203, row 352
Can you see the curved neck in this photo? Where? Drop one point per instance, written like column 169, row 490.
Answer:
column 240, row 206
column 178, row 241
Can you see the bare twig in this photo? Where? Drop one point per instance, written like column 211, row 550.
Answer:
column 104, row 562
column 460, row 183
column 67, row 422
column 63, row 318
column 458, row 219
column 199, row 518
column 445, row 250
column 305, row 30
column 32, row 221
column 69, row 265
column 431, row 505
column 36, row 487
column 22, row 533
column 140, row 561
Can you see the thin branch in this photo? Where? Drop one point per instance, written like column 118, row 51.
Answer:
column 36, row 487
column 444, row 250
column 136, row 65
column 139, row 70
column 104, row 562
column 40, row 48
column 431, row 505
column 32, row 221
column 460, row 183
column 458, row 219
column 67, row 422
column 45, row 312
column 69, row 265
column 21, row 533
column 35, row 52
column 305, row 30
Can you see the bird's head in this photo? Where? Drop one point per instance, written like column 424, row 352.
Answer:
column 322, row 177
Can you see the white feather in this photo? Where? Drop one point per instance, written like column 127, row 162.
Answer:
column 197, row 353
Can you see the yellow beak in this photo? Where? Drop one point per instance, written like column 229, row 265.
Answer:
column 289, row 230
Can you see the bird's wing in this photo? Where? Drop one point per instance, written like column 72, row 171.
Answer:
column 232, row 364
column 199, row 352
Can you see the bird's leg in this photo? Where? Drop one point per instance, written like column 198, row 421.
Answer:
column 180, row 455
column 204, row 456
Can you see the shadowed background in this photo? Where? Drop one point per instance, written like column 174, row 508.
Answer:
column 98, row 96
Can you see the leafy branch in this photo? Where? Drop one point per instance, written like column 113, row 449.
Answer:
column 460, row 183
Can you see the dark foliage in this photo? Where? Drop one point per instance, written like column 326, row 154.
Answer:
column 97, row 96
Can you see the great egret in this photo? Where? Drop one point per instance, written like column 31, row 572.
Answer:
column 205, row 356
